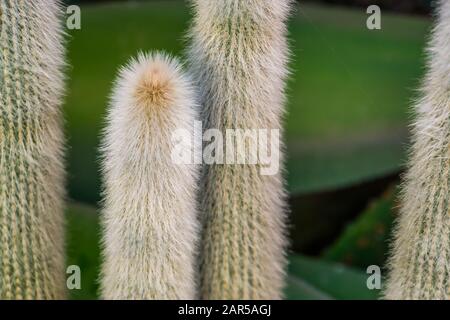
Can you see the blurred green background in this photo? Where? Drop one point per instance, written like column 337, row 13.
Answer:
column 349, row 98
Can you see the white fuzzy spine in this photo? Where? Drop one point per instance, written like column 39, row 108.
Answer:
column 149, row 215
column 420, row 262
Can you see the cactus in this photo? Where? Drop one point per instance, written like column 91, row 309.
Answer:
column 420, row 263
column 31, row 151
column 149, row 217
column 238, row 55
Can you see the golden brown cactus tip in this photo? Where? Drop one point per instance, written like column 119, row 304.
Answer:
column 31, row 151
column 155, row 84
column 420, row 261
column 149, row 212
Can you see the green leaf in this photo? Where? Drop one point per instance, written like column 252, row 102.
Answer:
column 298, row 289
column 315, row 279
column 318, row 219
column 365, row 242
column 330, row 164
column 349, row 96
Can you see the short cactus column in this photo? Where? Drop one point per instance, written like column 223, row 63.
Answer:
column 149, row 215
column 420, row 262
column 238, row 55
column 31, row 151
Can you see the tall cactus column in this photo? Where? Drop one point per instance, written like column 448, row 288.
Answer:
column 238, row 55
column 31, row 151
column 149, row 215
column 420, row 265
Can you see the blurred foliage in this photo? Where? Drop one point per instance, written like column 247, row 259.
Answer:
column 83, row 249
column 104, row 1
column 317, row 219
column 365, row 242
column 416, row 6
column 349, row 91
column 407, row 6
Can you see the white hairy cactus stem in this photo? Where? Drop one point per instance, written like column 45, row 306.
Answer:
column 238, row 54
column 31, row 150
column 149, row 215
column 420, row 262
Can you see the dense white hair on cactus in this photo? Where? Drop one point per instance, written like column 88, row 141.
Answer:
column 420, row 262
column 238, row 54
column 149, row 215
column 31, row 150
